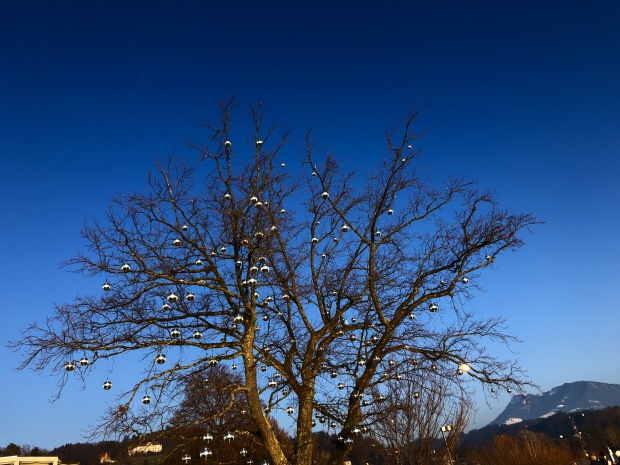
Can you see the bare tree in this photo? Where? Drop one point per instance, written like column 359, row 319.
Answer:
column 408, row 422
column 320, row 286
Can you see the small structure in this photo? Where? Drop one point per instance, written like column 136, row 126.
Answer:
column 105, row 458
column 144, row 448
column 16, row 460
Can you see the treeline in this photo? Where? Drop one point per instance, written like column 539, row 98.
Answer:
column 561, row 439
column 24, row 450
column 548, row 441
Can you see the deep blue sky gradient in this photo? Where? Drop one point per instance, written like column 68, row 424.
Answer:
column 522, row 96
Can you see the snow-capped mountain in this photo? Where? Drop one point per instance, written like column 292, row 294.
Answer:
column 569, row 397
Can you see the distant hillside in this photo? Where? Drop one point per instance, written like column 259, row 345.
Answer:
column 599, row 428
column 570, row 397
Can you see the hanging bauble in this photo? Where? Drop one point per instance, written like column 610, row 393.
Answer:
column 411, row 316
column 146, row 400
column 106, row 287
column 234, row 366
column 176, row 242
column 290, row 410
column 172, row 298
column 190, row 297
column 243, row 452
column 205, row 453
column 433, row 308
column 390, row 212
column 70, row 366
column 416, row 395
column 107, row 385
column 208, row 437
column 197, row 335
column 125, row 267
column 340, row 386
column 227, row 197
column 325, row 195
column 334, row 374
column 175, row 333
column 160, row 359
column 84, row 361
column 227, row 144
column 344, row 228
column 465, row 280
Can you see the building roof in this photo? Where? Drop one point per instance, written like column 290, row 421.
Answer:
column 17, row 460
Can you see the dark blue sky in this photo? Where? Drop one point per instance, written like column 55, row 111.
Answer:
column 524, row 97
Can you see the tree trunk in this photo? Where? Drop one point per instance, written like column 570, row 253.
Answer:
column 305, row 440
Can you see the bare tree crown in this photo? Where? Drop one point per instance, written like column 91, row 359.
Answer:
column 318, row 286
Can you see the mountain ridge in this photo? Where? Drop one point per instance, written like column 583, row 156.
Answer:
column 569, row 397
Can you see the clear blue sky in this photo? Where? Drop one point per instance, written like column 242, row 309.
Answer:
column 523, row 96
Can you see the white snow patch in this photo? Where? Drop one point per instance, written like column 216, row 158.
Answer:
column 560, row 406
column 512, row 421
column 595, row 401
column 546, row 415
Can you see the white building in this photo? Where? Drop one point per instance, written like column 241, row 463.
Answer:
column 16, row 460
column 144, row 448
